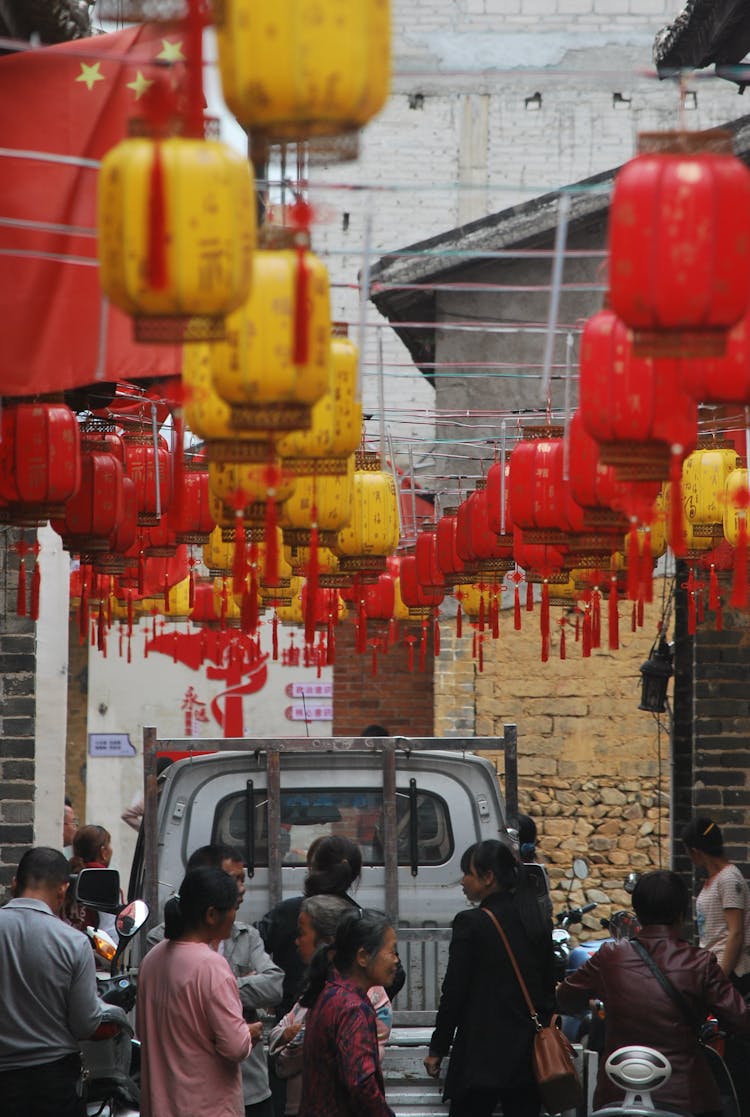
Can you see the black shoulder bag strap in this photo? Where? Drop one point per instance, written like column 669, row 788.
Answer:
column 675, row 996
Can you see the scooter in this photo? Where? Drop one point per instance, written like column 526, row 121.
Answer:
column 111, row 1058
column 638, row 1071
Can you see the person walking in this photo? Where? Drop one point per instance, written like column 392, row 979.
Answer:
column 341, row 1075
column 641, row 1012
column 482, row 1010
column 49, row 999
column 188, row 1014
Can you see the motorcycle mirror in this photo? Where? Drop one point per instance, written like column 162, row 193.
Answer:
column 98, row 888
column 630, row 882
column 132, row 917
column 580, row 868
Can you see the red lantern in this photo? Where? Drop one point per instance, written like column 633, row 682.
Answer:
column 114, row 559
column 723, row 379
column 92, row 515
column 635, row 408
column 451, row 565
column 542, row 502
column 149, row 467
column 429, row 572
column 679, row 233
column 485, row 555
column 190, row 514
column 414, row 594
column 40, row 461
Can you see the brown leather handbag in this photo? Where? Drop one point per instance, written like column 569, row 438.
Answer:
column 552, row 1059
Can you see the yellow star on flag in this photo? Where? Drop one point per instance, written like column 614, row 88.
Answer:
column 139, row 85
column 89, row 75
column 171, row 52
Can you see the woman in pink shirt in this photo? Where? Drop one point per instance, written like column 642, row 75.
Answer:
column 189, row 1016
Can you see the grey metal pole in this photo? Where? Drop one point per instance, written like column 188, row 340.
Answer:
column 150, row 823
column 390, row 849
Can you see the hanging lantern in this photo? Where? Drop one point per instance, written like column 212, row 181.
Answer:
column 180, row 261
column 540, row 495
column 327, row 499
column 149, row 467
column 190, row 512
column 114, row 560
column 218, row 555
column 418, row 598
column 486, row 556
column 336, row 422
column 704, row 477
column 268, row 375
column 93, row 513
column 679, row 238
column 315, row 69
column 373, row 530
column 429, row 573
column 725, row 379
column 40, row 462
column 451, row 565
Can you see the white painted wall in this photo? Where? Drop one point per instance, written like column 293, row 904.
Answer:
column 51, row 688
column 124, row 697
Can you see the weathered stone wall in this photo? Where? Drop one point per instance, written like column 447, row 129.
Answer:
column 594, row 770
column 17, row 709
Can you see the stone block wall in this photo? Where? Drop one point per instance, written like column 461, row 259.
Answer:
column 17, row 718
column 594, row 770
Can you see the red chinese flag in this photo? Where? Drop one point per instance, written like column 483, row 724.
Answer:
column 71, row 104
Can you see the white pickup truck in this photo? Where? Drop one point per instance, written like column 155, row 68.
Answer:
column 412, row 805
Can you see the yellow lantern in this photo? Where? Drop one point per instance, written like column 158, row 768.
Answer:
column 291, row 614
column 735, row 506
column 218, row 555
column 225, row 606
column 373, row 531
column 704, row 477
column 181, row 279
column 312, row 68
column 299, row 558
column 252, row 481
column 268, row 378
column 330, row 496
column 336, row 425
column 179, row 601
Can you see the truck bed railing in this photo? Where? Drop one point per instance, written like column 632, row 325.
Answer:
column 275, row 748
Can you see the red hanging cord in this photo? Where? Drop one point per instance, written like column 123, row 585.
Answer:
column 459, row 622
column 677, row 526
column 544, row 621
column 633, row 561
column 562, row 638
column 21, row 590
column 646, row 589
column 275, row 636
column 596, row 619
column 36, row 583
column 613, row 615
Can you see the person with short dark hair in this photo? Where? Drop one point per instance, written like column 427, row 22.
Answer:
column 189, row 1014
column 341, row 1072
column 641, row 1012
column 48, row 991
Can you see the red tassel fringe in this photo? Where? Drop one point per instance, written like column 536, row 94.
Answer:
column 738, row 600
column 677, row 527
column 301, row 340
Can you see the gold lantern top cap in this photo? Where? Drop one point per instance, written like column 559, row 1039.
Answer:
column 339, row 329
column 548, row 430
column 279, row 237
column 366, row 461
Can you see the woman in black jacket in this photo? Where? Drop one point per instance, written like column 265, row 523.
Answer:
column 482, row 1009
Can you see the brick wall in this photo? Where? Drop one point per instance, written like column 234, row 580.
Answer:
column 396, row 698
column 17, row 712
column 593, row 769
column 715, row 741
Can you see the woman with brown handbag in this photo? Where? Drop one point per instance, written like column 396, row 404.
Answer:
column 482, row 1007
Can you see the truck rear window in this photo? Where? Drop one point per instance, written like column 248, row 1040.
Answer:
column 356, row 814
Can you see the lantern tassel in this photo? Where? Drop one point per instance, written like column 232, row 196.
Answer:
column 634, row 562
column 529, row 597
column 634, row 618
column 191, row 588
column 436, row 637
column 563, row 653
column 271, row 571
column 719, row 616
column 301, row 346
column 480, row 656
column 544, row 620
column 361, row 627
column 480, row 618
column 331, row 639
column 517, row 609
column 130, row 614
column 738, row 600
column 713, row 589
column 677, row 526
column 21, row 590
column 101, row 641
column 83, row 610
column 275, row 636
column 239, row 556
column 157, row 223
column 459, row 622
column 613, row 615
column 596, row 619
column 166, row 593
column 646, row 590
column 141, row 572
column 311, row 603
column 36, row 584
column 586, row 635
column 423, row 646
column 494, row 614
